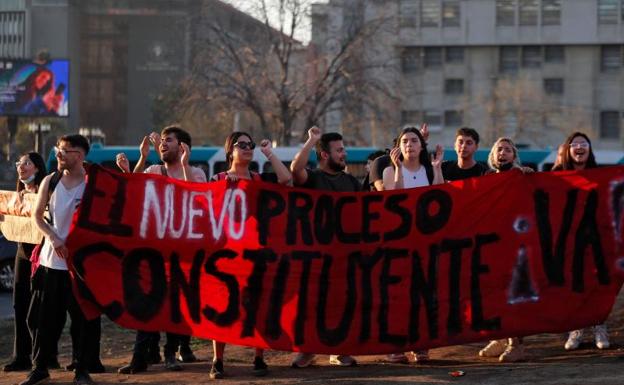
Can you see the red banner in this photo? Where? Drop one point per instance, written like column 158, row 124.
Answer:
column 293, row 269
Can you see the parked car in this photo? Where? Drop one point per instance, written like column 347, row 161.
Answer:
column 7, row 262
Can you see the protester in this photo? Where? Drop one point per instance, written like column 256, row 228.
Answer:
column 504, row 157
column 559, row 161
column 579, row 155
column 174, row 147
column 329, row 176
column 366, row 185
column 31, row 170
column 239, row 150
column 412, row 167
column 466, row 145
column 51, row 286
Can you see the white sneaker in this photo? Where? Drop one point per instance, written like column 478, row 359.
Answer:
column 512, row 353
column 494, row 349
column 421, row 356
column 601, row 336
column 302, row 360
column 574, row 339
column 397, row 358
column 342, row 360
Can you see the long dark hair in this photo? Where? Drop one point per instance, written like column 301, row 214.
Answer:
column 39, row 163
column 229, row 144
column 567, row 162
column 424, row 158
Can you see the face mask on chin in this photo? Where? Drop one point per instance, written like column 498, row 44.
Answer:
column 28, row 180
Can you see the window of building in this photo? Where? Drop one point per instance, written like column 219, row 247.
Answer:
column 554, row 54
column 430, row 13
column 408, row 13
column 454, row 55
column 608, row 11
column 454, row 86
column 508, row 59
column 410, row 59
column 505, row 12
column 610, row 124
column 12, row 34
column 531, row 56
column 551, row 12
column 450, row 13
column 433, row 119
column 610, row 58
column 528, row 12
column 412, row 117
column 433, row 57
column 453, row 118
column 553, row 86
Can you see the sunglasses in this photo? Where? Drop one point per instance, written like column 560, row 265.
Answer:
column 24, row 163
column 579, row 145
column 245, row 145
column 63, row 151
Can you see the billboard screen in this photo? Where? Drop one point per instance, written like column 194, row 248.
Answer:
column 29, row 88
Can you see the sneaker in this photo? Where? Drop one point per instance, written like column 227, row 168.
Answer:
column 17, row 366
column 601, row 336
column 397, row 358
column 512, row 353
column 36, row 376
column 421, row 356
column 574, row 339
column 494, row 349
column 260, row 368
column 82, row 378
column 187, row 357
column 216, row 371
column 135, row 366
column 302, row 360
column 342, row 360
column 171, row 364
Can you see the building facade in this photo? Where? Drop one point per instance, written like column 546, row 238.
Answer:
column 531, row 69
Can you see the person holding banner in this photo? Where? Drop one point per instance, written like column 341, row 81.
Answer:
column 412, row 167
column 577, row 154
column 31, row 170
column 239, row 151
column 174, row 147
column 329, row 176
column 504, row 157
column 466, row 145
column 52, row 294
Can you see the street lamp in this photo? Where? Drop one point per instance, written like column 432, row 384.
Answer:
column 38, row 129
column 94, row 134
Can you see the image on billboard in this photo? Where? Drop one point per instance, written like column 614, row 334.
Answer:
column 32, row 89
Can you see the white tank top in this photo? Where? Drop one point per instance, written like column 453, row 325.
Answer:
column 63, row 204
column 416, row 178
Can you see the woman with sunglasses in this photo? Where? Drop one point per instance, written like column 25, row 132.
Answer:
column 31, row 170
column 239, row 151
column 578, row 155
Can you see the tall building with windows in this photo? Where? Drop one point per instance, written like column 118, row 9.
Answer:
column 532, row 69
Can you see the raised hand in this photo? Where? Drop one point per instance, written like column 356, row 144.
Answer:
column 144, row 147
column 395, row 157
column 424, row 131
column 185, row 154
column 314, row 134
column 438, row 157
column 122, row 162
column 266, row 148
column 154, row 137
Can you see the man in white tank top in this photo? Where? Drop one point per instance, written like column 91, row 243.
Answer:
column 52, row 293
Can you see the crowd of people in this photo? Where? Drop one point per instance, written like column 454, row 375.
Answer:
column 42, row 292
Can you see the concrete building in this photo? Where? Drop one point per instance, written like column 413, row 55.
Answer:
column 124, row 54
column 533, row 69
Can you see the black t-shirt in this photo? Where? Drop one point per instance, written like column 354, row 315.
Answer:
column 377, row 168
column 451, row 171
column 320, row 180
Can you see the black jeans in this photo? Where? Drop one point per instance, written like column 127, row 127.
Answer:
column 22, row 344
column 52, row 297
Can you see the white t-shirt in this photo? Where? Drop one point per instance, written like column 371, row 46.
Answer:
column 416, row 178
column 63, row 204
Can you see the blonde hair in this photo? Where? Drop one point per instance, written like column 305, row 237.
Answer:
column 493, row 162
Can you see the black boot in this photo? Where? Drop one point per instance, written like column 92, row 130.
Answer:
column 135, row 366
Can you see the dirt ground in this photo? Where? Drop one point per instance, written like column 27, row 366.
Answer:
column 548, row 363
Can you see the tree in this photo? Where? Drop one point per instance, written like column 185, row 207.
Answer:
column 246, row 64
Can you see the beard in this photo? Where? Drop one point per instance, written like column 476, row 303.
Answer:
column 169, row 157
column 335, row 166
